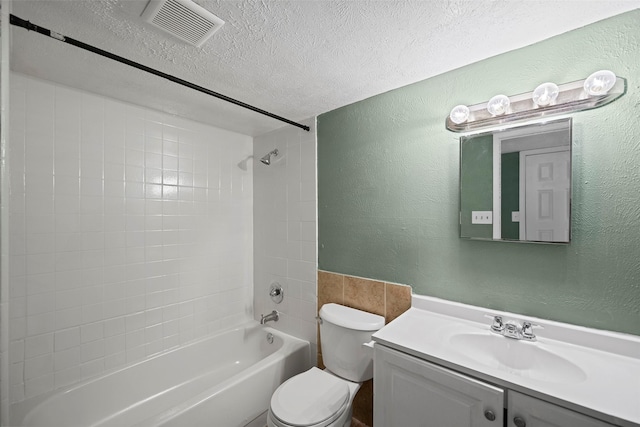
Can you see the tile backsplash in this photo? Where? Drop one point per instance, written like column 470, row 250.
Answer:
column 131, row 232
column 385, row 299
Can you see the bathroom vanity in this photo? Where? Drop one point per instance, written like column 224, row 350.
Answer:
column 439, row 364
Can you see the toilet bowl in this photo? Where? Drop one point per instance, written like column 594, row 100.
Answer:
column 314, row 398
column 318, row 398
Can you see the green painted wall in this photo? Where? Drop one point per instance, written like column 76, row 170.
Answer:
column 510, row 192
column 476, row 184
column 388, row 189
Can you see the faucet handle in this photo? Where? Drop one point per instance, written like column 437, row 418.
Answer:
column 527, row 330
column 498, row 323
column 276, row 292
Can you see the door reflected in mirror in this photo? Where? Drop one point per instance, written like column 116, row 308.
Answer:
column 515, row 184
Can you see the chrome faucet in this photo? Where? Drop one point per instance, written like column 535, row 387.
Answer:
column 513, row 329
column 274, row 315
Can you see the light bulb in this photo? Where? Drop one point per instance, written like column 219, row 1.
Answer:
column 545, row 94
column 498, row 105
column 459, row 114
column 599, row 82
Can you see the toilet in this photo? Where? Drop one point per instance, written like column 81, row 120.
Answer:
column 323, row 398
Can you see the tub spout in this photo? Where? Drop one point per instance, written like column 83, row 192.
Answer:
column 269, row 317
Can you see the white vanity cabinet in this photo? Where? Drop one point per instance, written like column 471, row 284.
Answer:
column 445, row 364
column 410, row 392
column 527, row 411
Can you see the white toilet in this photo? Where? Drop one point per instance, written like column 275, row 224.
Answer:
column 318, row 398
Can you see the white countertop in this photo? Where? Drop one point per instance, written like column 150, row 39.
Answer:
column 603, row 382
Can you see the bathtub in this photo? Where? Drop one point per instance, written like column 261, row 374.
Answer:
column 224, row 381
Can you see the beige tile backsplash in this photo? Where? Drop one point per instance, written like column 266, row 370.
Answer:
column 386, row 299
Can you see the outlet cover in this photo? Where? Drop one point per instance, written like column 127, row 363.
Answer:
column 481, row 217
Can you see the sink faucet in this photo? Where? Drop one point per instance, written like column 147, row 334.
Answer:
column 269, row 317
column 513, row 329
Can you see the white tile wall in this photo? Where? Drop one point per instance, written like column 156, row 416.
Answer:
column 131, row 232
column 285, row 242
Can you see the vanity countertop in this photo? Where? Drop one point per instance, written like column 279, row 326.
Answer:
column 591, row 371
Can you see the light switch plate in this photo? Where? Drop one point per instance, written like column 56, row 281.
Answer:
column 515, row 216
column 481, row 217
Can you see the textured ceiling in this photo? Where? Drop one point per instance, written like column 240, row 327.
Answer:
column 293, row 58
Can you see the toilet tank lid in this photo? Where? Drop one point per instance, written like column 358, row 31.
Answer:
column 351, row 318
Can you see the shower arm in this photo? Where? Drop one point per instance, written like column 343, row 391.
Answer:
column 19, row 22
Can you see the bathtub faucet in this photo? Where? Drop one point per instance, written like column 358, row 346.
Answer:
column 269, row 317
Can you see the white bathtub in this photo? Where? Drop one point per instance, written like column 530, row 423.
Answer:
column 223, row 381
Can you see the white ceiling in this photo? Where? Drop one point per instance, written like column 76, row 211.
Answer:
column 293, row 58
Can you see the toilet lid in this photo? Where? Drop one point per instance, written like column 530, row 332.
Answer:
column 310, row 398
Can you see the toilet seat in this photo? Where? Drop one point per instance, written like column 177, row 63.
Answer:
column 312, row 399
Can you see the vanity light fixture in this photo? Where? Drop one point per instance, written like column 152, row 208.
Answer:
column 548, row 99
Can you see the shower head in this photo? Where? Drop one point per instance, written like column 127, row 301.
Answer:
column 267, row 158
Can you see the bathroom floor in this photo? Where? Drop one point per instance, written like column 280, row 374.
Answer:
column 356, row 423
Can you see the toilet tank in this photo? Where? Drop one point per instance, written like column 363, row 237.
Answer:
column 343, row 332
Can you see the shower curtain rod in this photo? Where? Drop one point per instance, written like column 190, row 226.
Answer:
column 14, row 20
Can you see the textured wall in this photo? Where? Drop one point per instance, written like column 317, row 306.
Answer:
column 476, row 184
column 388, row 189
column 294, row 58
column 510, row 194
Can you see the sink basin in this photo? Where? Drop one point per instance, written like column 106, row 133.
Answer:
column 526, row 359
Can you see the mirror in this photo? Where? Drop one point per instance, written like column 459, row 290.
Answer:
column 515, row 184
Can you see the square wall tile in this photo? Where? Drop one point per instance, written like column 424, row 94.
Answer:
column 385, row 299
column 114, row 218
column 364, row 294
column 281, row 252
column 330, row 288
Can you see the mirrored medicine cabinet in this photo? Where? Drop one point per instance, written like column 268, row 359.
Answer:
column 515, row 184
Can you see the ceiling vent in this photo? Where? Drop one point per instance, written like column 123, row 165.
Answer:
column 183, row 19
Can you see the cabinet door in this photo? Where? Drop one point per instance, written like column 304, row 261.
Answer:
column 527, row 411
column 409, row 392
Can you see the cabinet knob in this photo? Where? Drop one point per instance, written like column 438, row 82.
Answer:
column 519, row 422
column 489, row 415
